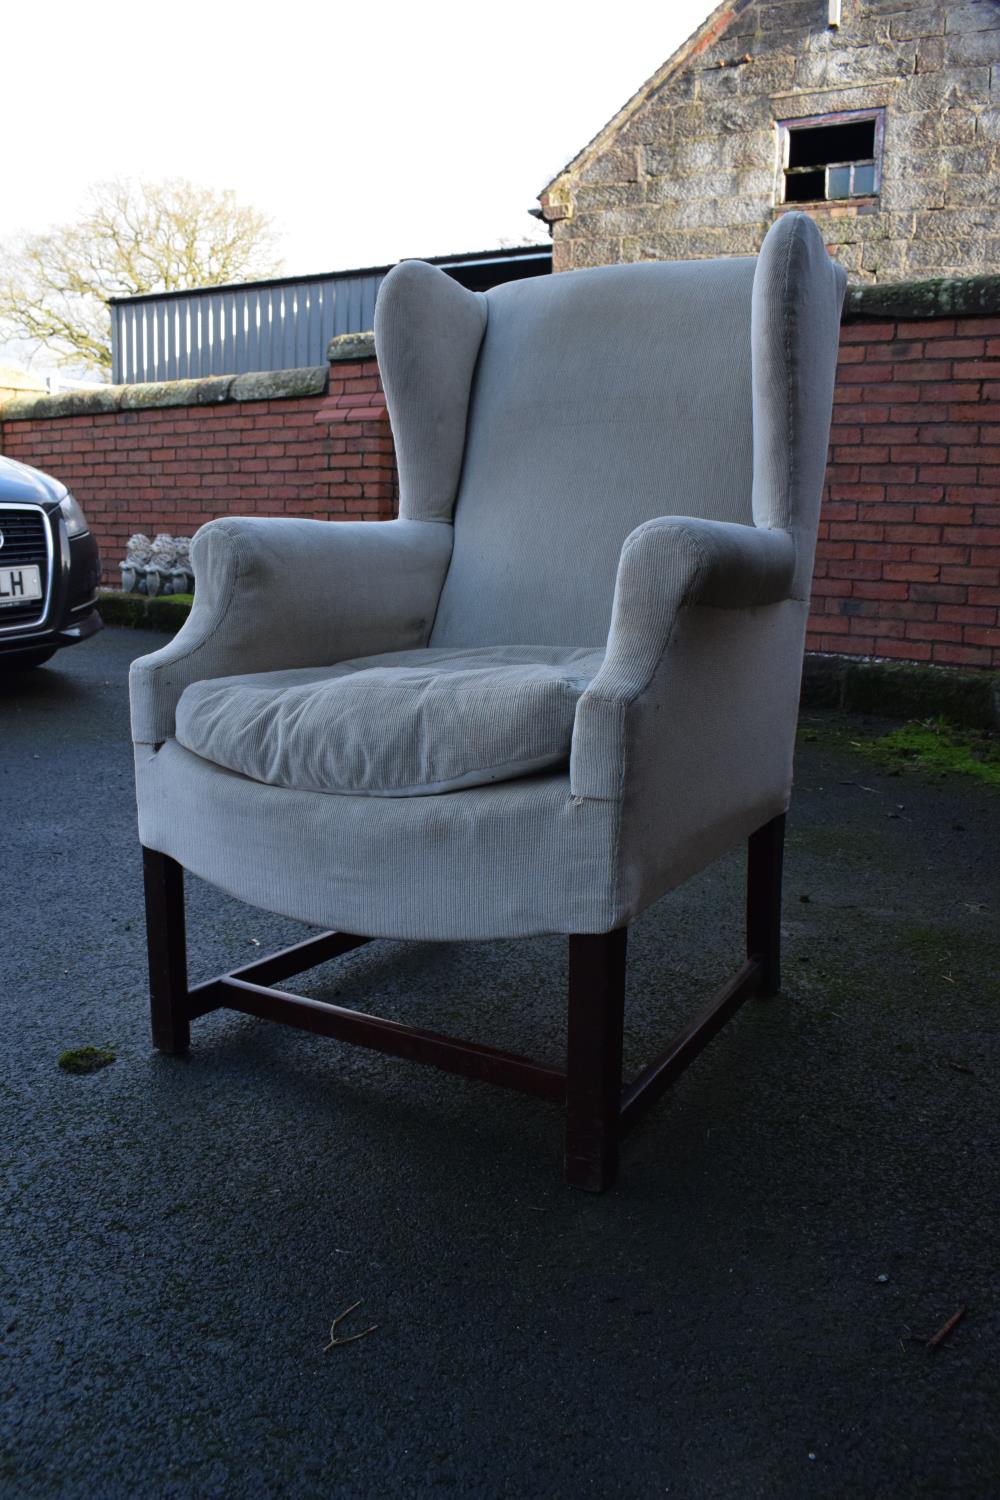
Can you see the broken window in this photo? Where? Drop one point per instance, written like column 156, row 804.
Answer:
column 830, row 158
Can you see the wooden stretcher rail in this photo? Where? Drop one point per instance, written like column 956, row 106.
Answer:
column 667, row 1068
column 471, row 1059
column 275, row 967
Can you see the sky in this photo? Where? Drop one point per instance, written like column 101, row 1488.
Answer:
column 368, row 133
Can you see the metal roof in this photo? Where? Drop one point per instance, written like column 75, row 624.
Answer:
column 518, row 256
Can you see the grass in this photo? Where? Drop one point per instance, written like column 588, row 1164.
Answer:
column 938, row 748
column 932, row 747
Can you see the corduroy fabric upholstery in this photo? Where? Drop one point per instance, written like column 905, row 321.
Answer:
column 276, row 592
column 407, row 723
column 514, row 859
column 666, row 565
column 633, row 457
column 428, row 332
column 598, row 404
column 797, row 296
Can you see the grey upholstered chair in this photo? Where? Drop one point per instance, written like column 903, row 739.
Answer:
column 562, row 682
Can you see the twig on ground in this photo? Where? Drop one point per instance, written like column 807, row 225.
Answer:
column 335, row 1341
column 944, row 1331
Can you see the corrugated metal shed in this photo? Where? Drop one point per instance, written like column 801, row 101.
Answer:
column 273, row 325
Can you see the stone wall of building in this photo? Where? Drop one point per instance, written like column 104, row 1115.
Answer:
column 690, row 167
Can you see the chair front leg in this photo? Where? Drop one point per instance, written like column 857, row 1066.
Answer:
column 163, row 878
column 765, row 853
column 594, row 1058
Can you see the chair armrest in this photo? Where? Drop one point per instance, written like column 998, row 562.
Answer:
column 276, row 592
column 666, row 565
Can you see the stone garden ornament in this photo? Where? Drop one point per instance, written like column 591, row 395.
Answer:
column 162, row 566
column 138, row 551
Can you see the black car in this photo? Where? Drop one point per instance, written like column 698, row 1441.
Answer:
column 49, row 568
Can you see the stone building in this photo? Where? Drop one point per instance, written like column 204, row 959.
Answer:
column 879, row 117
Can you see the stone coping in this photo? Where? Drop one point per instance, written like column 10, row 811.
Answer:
column 344, row 346
column 210, row 390
column 945, row 297
column 942, row 297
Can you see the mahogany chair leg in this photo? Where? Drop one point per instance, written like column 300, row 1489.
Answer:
column 168, row 990
column 594, row 1058
column 596, row 1113
column 765, row 851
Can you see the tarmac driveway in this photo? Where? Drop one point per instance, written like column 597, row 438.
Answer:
column 745, row 1315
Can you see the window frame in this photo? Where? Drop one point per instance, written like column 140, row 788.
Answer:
column 786, row 128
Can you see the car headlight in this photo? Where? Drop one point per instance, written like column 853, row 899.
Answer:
column 76, row 521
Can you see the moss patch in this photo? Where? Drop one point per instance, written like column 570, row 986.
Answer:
column 928, row 940
column 931, row 747
column 82, row 1060
column 938, row 748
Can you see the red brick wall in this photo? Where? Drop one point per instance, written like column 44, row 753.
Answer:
column 172, row 468
column 908, row 563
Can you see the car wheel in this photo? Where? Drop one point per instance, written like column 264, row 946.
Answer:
column 27, row 660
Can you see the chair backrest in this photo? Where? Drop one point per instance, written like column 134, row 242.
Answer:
column 551, row 416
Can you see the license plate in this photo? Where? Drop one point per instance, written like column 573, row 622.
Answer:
column 20, row 585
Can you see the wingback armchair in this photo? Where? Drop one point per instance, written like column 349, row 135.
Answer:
column 563, row 681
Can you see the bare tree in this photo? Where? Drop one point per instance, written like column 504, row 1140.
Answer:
column 133, row 237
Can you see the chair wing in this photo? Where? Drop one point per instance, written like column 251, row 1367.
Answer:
column 428, row 332
column 798, row 292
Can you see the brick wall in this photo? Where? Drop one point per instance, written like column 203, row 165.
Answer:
column 908, row 562
column 171, row 468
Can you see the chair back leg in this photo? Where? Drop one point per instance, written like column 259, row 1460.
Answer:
column 167, row 948
column 594, row 1058
column 765, row 853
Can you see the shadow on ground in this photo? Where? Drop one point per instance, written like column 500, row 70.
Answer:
column 745, row 1315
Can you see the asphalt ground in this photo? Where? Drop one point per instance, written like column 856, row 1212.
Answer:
column 746, row 1314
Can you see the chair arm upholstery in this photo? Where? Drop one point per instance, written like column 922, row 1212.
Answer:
column 277, row 592
column 665, row 565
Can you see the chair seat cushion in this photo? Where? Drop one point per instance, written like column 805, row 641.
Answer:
column 408, row 723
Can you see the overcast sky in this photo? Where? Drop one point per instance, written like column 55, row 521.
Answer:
column 368, row 132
